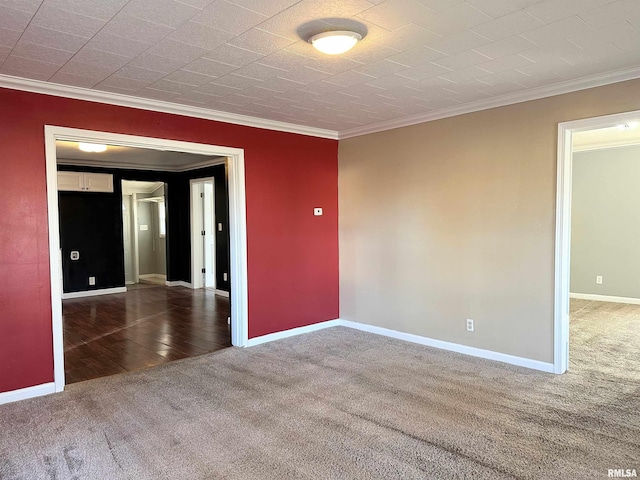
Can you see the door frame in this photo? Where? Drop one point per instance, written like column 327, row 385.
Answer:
column 563, row 226
column 195, row 208
column 237, row 223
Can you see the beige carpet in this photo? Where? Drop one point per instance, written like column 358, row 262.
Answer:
column 344, row 404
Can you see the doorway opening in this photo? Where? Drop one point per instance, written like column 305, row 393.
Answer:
column 574, row 139
column 144, row 232
column 232, row 158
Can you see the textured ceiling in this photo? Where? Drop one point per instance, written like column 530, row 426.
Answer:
column 247, row 56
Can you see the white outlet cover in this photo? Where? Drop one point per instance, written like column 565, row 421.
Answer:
column 144, row 227
column 317, row 212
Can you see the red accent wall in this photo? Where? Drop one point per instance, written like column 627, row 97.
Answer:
column 292, row 255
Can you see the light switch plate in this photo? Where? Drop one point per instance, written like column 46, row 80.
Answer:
column 144, row 227
column 317, row 212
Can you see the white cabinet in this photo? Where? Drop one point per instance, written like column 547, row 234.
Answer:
column 85, row 182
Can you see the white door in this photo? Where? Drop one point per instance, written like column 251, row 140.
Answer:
column 209, row 246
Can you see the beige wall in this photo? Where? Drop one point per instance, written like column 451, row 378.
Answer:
column 455, row 219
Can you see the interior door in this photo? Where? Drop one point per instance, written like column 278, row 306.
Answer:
column 209, row 236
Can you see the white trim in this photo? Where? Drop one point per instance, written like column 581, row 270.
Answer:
column 110, row 98
column 55, row 257
column 563, row 227
column 252, row 342
column 237, row 224
column 128, row 166
column 222, row 293
column 94, row 293
column 562, row 251
column 452, row 347
column 501, row 101
column 605, row 298
column 29, row 392
column 408, row 337
column 606, row 145
column 238, row 249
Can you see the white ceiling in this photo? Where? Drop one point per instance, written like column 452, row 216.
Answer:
column 68, row 153
column 250, row 57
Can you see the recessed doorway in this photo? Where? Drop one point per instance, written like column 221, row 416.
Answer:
column 583, row 291
column 233, row 161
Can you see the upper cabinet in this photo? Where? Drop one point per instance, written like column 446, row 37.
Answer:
column 85, row 182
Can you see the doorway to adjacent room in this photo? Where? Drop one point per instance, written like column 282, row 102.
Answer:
column 202, row 304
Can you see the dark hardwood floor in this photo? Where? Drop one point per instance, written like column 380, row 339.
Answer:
column 149, row 325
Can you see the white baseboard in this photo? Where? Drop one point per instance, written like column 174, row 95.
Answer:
column 605, row 298
column 93, row 293
column 222, row 293
column 25, row 393
column 178, row 283
column 252, row 342
column 453, row 347
column 408, row 337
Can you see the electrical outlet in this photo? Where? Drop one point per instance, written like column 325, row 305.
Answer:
column 92, row 280
column 470, row 326
column 599, row 279
column 224, row 276
column 317, row 212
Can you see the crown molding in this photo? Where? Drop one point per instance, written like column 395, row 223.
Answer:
column 80, row 93
column 606, row 145
column 133, row 166
column 501, row 101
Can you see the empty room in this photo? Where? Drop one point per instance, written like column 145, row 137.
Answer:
column 368, row 239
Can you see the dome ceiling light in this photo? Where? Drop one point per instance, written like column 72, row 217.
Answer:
column 92, row 147
column 335, row 42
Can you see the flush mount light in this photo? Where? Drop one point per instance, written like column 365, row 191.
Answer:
column 92, row 147
column 336, row 42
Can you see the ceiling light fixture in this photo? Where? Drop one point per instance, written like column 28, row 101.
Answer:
column 92, row 147
column 336, row 42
